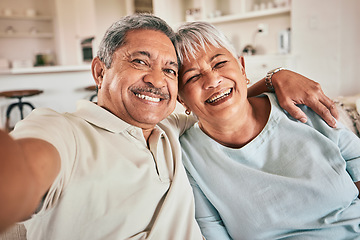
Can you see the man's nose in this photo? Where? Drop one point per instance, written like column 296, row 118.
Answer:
column 156, row 78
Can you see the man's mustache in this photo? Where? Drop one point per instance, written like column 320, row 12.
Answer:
column 153, row 90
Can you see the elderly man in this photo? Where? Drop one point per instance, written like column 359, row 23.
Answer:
column 110, row 170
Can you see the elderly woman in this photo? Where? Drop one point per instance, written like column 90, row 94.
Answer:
column 256, row 172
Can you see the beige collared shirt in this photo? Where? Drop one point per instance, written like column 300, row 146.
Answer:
column 111, row 185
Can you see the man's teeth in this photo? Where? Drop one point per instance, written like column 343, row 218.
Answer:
column 148, row 98
column 220, row 96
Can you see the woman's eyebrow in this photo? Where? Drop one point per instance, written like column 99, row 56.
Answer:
column 188, row 70
column 215, row 56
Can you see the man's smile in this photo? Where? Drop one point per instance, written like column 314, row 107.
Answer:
column 150, row 94
column 148, row 98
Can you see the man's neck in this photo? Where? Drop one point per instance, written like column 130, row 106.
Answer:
column 147, row 133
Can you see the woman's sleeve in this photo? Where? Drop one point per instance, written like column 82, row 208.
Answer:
column 349, row 145
column 347, row 141
column 208, row 218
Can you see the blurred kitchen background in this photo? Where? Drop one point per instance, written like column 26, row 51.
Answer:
column 48, row 44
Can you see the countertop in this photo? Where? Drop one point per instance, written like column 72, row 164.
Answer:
column 46, row 69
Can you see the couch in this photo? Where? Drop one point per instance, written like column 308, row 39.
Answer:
column 349, row 114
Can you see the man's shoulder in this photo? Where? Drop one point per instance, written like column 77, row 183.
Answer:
column 177, row 122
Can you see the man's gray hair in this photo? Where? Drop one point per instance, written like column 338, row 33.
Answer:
column 116, row 33
column 193, row 36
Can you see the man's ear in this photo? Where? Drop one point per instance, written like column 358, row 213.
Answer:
column 97, row 69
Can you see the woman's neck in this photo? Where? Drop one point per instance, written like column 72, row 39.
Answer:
column 241, row 128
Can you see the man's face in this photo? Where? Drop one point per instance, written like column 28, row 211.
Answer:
column 140, row 87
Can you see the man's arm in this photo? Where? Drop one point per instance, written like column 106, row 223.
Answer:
column 27, row 169
column 291, row 89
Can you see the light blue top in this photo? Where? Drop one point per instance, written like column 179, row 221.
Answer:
column 292, row 181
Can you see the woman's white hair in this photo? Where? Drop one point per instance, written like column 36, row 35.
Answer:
column 193, row 36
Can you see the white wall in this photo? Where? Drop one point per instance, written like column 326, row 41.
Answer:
column 349, row 47
column 325, row 43
column 107, row 12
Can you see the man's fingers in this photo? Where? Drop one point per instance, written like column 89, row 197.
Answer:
column 328, row 103
column 326, row 114
column 324, row 107
column 294, row 111
column 334, row 111
column 326, row 111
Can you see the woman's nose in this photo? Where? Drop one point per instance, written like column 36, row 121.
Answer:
column 212, row 80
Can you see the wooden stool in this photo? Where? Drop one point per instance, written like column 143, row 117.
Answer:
column 19, row 94
column 92, row 88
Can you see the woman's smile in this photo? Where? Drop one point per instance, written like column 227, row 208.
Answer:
column 219, row 96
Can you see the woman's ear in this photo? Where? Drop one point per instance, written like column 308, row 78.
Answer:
column 179, row 99
column 242, row 63
column 97, row 70
column 187, row 110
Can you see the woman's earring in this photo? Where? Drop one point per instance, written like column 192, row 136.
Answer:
column 187, row 112
column 247, row 81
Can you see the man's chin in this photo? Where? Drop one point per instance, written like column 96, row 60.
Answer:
column 147, row 120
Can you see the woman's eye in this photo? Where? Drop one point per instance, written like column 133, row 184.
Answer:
column 220, row 64
column 193, row 78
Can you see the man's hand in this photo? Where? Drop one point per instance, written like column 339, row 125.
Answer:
column 292, row 88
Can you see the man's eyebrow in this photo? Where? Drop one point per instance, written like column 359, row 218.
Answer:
column 175, row 64
column 147, row 54
column 144, row 53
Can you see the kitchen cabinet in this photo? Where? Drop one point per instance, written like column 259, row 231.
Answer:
column 238, row 19
column 26, row 27
column 52, row 27
column 26, row 30
column 219, row 11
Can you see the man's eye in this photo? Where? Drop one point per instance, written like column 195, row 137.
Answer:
column 139, row 61
column 220, row 64
column 171, row 71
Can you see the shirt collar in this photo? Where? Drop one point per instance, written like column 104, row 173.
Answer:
column 100, row 117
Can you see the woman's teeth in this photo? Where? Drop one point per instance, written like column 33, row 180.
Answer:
column 220, row 96
column 148, row 98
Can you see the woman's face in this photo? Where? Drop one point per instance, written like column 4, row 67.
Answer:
column 213, row 86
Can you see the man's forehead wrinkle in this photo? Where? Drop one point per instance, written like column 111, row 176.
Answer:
column 137, row 53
